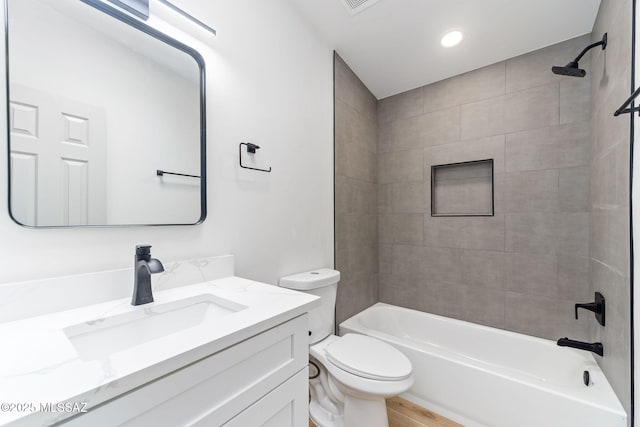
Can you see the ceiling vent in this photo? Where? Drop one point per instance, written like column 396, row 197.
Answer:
column 357, row 6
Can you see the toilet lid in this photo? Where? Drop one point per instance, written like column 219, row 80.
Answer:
column 368, row 357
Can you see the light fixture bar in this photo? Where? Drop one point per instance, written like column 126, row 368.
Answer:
column 188, row 16
column 139, row 8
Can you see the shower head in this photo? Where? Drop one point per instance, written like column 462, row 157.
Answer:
column 572, row 69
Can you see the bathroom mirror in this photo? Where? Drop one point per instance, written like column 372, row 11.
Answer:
column 105, row 119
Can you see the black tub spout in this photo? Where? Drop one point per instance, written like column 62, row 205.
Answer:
column 595, row 347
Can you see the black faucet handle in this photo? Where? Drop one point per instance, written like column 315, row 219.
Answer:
column 143, row 249
column 591, row 306
column 598, row 307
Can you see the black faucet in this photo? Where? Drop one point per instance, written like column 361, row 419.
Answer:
column 143, row 267
column 598, row 307
column 595, row 347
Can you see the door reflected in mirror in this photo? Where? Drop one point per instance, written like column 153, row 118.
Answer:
column 98, row 102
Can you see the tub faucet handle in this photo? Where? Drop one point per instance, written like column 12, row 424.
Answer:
column 591, row 306
column 597, row 307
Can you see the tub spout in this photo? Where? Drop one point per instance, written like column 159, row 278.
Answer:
column 595, row 347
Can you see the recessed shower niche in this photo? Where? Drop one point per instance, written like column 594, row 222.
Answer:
column 462, row 189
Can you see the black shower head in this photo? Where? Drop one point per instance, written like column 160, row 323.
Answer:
column 572, row 69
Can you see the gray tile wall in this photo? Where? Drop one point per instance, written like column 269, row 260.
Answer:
column 356, row 191
column 609, row 257
column 524, row 268
column 561, row 228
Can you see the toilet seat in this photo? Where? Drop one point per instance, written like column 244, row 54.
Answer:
column 354, row 382
column 368, row 357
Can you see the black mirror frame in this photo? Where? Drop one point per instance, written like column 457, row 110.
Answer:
column 129, row 20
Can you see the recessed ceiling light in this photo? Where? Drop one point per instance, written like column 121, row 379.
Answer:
column 451, row 38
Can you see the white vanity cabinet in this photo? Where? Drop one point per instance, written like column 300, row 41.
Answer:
column 261, row 381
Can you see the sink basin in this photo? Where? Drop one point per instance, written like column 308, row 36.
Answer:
column 99, row 338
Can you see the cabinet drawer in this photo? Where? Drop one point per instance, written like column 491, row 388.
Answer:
column 215, row 388
column 286, row 406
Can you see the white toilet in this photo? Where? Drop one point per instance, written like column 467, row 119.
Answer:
column 350, row 376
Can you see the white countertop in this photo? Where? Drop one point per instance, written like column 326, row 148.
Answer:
column 39, row 365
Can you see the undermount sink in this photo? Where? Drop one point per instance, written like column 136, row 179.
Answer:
column 102, row 337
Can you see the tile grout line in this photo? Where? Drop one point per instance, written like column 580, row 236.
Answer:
column 444, row 108
column 504, row 181
column 559, row 102
column 558, row 254
column 479, row 138
column 504, row 224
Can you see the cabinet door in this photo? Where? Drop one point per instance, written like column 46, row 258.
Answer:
column 286, row 406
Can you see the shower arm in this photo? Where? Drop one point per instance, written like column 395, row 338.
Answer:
column 602, row 43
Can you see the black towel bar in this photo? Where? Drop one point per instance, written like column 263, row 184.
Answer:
column 251, row 148
column 160, row 172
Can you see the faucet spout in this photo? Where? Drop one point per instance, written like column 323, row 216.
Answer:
column 595, row 347
column 155, row 266
column 144, row 267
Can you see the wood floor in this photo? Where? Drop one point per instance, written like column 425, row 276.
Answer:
column 403, row 413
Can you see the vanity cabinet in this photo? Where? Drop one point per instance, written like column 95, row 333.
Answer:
column 261, row 381
column 284, row 407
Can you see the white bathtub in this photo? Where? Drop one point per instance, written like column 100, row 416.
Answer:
column 482, row 376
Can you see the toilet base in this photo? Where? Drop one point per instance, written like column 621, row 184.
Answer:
column 357, row 412
column 324, row 411
column 365, row 412
column 322, row 418
column 333, row 405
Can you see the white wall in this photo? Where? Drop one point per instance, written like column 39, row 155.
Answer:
column 269, row 81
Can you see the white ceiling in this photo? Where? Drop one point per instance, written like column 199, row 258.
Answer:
column 394, row 45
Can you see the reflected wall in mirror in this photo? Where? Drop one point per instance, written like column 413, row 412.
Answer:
column 98, row 102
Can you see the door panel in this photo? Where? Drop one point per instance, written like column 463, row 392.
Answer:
column 58, row 146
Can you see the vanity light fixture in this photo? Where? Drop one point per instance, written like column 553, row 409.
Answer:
column 189, row 17
column 451, row 38
column 139, row 8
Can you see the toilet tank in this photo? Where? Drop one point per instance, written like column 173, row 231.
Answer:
column 323, row 283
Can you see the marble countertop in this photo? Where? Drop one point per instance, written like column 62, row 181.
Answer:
column 39, row 365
